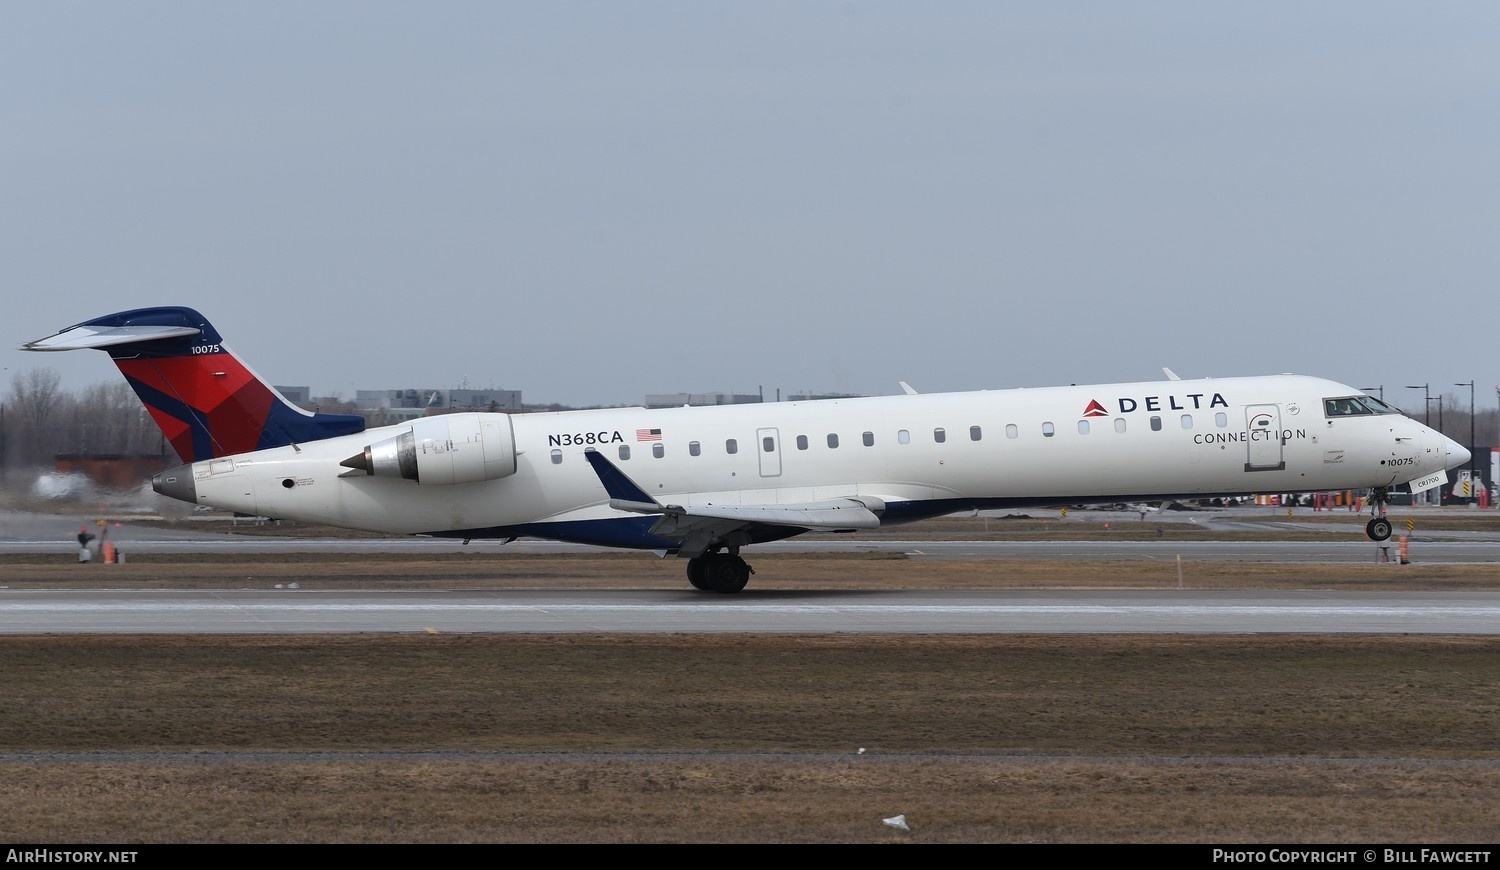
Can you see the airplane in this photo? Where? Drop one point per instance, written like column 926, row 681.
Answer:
column 702, row 483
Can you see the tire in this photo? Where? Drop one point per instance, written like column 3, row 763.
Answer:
column 727, row 574
column 697, row 573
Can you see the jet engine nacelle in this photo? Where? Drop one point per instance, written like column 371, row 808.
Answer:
column 444, row 450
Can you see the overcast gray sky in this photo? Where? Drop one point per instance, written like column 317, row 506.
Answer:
column 590, row 202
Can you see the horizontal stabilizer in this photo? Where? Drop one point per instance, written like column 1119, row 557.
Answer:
column 87, row 336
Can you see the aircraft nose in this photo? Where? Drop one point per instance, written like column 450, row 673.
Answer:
column 1458, row 455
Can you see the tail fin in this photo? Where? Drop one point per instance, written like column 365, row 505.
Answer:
column 205, row 400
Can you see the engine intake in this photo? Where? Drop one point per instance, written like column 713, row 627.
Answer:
column 444, row 450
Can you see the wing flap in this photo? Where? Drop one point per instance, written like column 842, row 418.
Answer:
column 832, row 515
column 838, row 514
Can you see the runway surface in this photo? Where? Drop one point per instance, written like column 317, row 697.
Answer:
column 292, row 610
column 53, row 533
column 775, row 611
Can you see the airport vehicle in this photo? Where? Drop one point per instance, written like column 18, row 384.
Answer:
column 701, row 483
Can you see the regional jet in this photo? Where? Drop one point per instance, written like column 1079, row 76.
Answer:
column 703, row 483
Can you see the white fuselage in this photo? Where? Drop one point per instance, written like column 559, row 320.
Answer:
column 918, row 455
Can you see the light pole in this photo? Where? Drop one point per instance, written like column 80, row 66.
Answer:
column 1379, row 391
column 1427, row 392
column 1473, row 482
column 1426, row 419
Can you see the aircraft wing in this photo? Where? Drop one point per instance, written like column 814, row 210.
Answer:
column 834, row 514
column 698, row 524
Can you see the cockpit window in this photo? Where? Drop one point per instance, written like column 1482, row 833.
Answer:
column 1346, row 407
column 1378, row 406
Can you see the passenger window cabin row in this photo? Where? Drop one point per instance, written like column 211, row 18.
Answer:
column 903, row 436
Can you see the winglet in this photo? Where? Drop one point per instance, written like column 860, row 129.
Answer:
column 619, row 487
column 1171, row 375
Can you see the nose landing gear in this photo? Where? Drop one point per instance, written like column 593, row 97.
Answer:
column 1379, row 527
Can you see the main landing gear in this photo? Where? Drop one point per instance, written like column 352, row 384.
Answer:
column 718, row 572
column 1379, row 527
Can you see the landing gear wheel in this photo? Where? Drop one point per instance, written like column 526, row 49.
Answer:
column 725, row 574
column 718, row 572
column 1378, row 529
column 697, row 573
column 728, row 573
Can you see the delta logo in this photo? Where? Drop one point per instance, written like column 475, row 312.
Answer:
column 1189, row 402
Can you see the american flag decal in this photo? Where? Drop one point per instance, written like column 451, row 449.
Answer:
column 648, row 434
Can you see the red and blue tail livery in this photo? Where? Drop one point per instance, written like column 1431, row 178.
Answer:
column 207, row 402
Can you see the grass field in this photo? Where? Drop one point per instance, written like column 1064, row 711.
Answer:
column 750, row 739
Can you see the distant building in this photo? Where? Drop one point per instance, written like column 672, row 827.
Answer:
column 677, row 400
column 371, row 400
column 430, row 401
column 483, row 400
column 300, row 396
column 390, row 416
column 808, row 397
column 387, row 407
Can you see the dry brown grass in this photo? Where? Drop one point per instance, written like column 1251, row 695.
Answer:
column 747, row 739
column 561, row 738
column 1405, row 697
column 587, row 800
